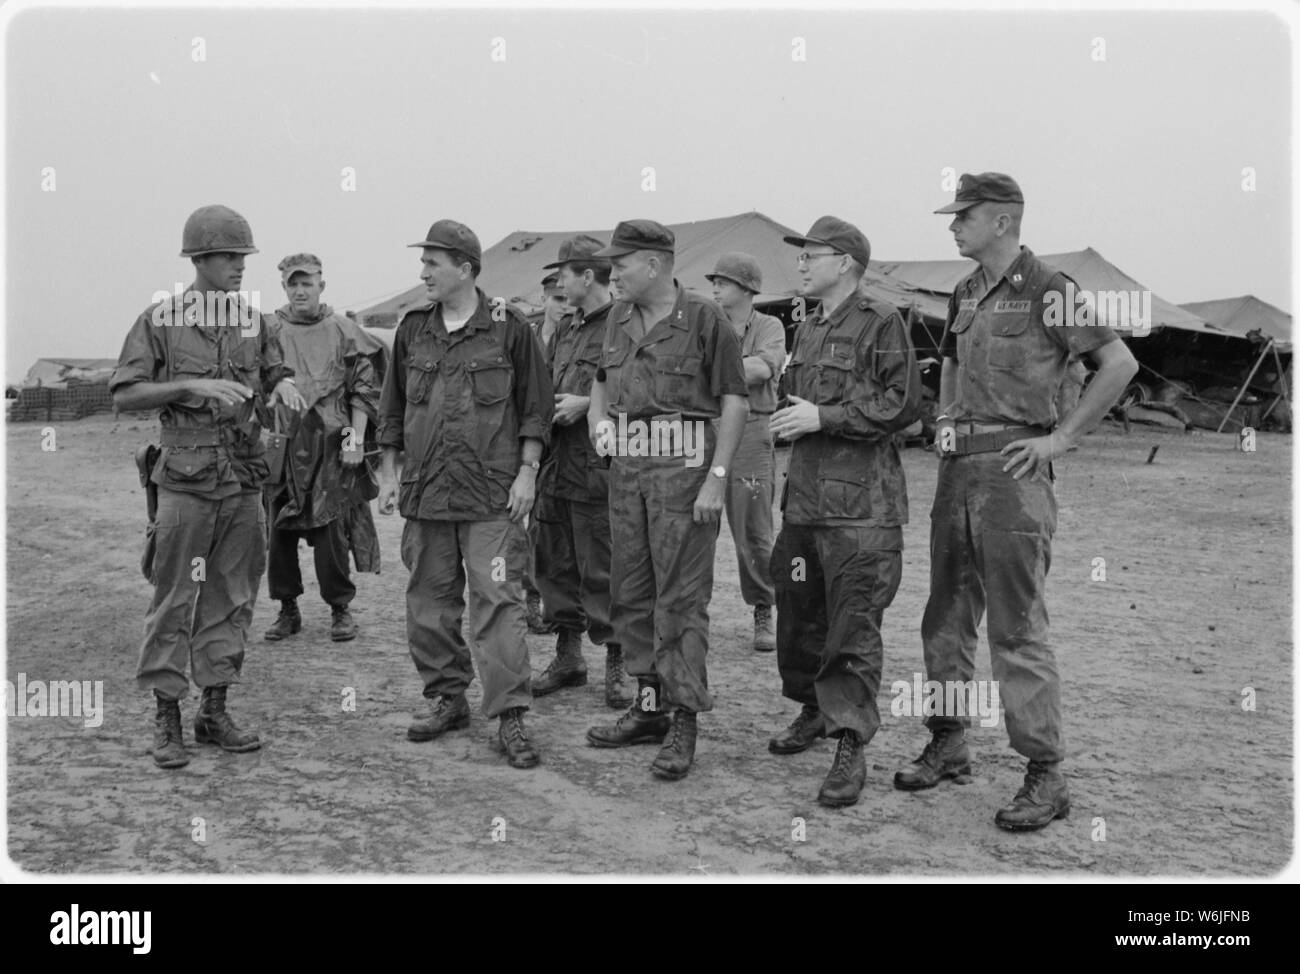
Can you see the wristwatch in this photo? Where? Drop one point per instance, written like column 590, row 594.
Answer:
column 719, row 471
column 535, row 464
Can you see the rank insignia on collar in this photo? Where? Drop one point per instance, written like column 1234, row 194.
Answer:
column 1016, row 279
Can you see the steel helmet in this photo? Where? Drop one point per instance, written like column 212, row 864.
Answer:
column 216, row 230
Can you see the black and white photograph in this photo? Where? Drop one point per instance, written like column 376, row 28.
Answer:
column 648, row 443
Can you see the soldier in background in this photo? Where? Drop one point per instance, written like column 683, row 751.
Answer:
column 546, row 330
column 572, row 512
column 736, row 278
column 206, row 359
column 327, row 486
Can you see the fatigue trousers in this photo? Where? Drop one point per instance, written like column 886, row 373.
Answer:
column 991, row 546
column 329, row 544
column 573, row 555
column 441, row 556
column 833, row 585
column 661, row 575
column 201, row 611
column 750, row 490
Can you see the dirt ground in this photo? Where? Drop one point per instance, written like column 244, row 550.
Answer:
column 1196, row 606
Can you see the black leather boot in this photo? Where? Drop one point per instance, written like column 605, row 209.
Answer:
column 847, row 775
column 513, row 738
column 945, row 756
column 568, row 669
column 212, row 725
column 288, row 622
column 442, row 714
column 1044, row 797
column 644, row 722
column 678, row 753
column 802, row 733
column 168, row 742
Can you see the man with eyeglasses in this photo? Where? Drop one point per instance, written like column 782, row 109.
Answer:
column 853, row 383
column 995, row 507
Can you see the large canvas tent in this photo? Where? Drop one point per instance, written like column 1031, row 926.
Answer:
column 1248, row 317
column 512, row 268
column 1269, row 328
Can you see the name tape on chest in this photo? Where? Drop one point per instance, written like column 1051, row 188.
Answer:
column 1012, row 307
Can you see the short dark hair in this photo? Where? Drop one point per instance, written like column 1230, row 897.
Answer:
column 458, row 257
column 599, row 268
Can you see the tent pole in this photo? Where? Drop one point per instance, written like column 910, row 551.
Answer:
column 1242, row 391
column 1281, row 375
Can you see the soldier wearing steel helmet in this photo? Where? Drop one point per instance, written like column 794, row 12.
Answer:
column 208, row 361
column 751, row 481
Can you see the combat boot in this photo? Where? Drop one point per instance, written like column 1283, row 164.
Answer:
column 342, row 628
column 802, row 733
column 848, row 773
column 644, row 722
column 288, row 622
column 212, row 725
column 678, row 753
column 945, row 756
column 513, row 739
column 618, row 689
column 537, row 625
column 764, row 634
column 568, row 669
column 442, row 715
column 1044, row 796
column 168, row 742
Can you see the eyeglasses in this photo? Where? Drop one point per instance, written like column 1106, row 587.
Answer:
column 805, row 257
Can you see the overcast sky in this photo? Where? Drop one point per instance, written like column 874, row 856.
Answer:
column 1139, row 155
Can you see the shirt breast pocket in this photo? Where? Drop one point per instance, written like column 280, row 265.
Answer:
column 421, row 367
column 245, row 363
column 679, row 374
column 490, row 380
column 834, row 376
column 1007, row 350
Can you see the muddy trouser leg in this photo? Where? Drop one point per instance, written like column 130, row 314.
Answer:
column 330, row 551
column 184, row 532
column 224, row 610
column 682, row 553
column 494, row 562
column 1012, row 525
column 283, row 576
column 631, row 572
column 435, row 605
column 558, row 580
column 801, row 621
column 949, row 626
column 750, row 486
column 861, row 582
column 589, row 528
